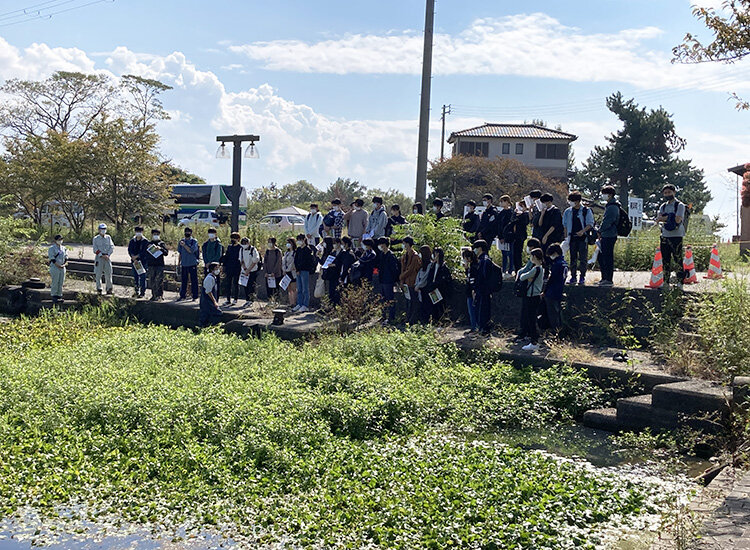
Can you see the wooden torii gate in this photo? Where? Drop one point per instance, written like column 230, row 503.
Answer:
column 743, row 171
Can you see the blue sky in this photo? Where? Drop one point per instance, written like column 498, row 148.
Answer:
column 332, row 87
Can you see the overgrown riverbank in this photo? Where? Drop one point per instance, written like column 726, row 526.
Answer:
column 360, row 441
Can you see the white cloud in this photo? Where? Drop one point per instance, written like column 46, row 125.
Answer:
column 39, row 60
column 535, row 45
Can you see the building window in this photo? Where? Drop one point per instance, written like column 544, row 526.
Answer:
column 557, row 151
column 506, row 148
column 519, row 148
column 474, row 149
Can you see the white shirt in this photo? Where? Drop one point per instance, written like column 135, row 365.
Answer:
column 249, row 259
column 209, row 282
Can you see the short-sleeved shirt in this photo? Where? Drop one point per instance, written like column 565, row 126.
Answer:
column 209, row 283
column 678, row 209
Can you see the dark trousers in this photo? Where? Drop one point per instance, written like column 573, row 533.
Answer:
column 156, row 280
column 192, row 274
column 333, row 292
column 208, row 314
column 232, row 285
column 218, row 281
column 579, row 256
column 607, row 258
column 412, row 307
column 386, row 291
column 425, row 307
column 554, row 313
column 249, row 289
column 529, row 312
column 517, row 247
column 140, row 281
column 483, row 303
column 671, row 251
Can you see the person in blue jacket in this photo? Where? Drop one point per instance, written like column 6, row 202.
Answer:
column 389, row 268
column 190, row 253
column 553, row 293
column 608, row 236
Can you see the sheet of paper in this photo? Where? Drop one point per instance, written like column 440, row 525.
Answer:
column 285, row 282
column 407, row 294
column 529, row 201
column 329, row 260
column 138, row 266
column 154, row 250
column 244, row 279
column 435, row 296
column 271, row 282
column 539, row 204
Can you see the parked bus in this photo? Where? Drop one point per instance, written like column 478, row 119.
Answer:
column 191, row 198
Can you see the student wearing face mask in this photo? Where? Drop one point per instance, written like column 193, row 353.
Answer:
column 344, row 260
column 530, row 282
column 232, row 269
column 608, row 236
column 536, row 213
column 517, row 232
column 553, row 291
column 378, row 220
column 671, row 215
column 137, row 252
column 506, row 238
column 395, row 219
column 483, row 286
column 356, row 222
column 410, row 264
column 272, row 264
column 305, row 263
column 328, row 274
column 424, row 275
column 57, row 255
column 437, row 208
column 551, row 222
column 488, row 221
column 471, row 221
column 250, row 262
column 417, row 209
column 287, row 265
column 578, row 221
column 470, row 264
column 333, row 222
column 189, row 252
column 389, row 269
column 212, row 250
column 103, row 250
column 313, row 225
column 155, row 253
column 210, row 313
column 439, row 280
column 367, row 261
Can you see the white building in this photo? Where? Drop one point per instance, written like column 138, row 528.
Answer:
column 540, row 148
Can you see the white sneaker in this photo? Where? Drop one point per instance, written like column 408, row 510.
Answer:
column 303, row 309
column 530, row 347
column 296, row 308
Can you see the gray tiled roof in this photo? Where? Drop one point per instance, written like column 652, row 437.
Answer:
column 517, row 131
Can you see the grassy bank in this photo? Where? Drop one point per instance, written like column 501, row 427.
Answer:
column 359, row 441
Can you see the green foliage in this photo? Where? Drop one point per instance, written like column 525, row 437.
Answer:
column 336, row 443
column 19, row 258
column 640, row 158
column 446, row 233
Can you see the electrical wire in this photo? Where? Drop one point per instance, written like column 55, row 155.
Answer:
column 51, row 14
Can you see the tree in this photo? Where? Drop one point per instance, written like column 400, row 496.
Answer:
column 300, row 193
column 469, row 177
column 731, row 31
column 178, row 175
column 641, row 158
column 66, row 102
column 346, row 190
column 142, row 98
column 126, row 178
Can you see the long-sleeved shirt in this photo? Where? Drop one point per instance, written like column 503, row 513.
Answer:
column 304, row 259
column 250, row 259
column 556, row 282
column 503, row 219
column 411, row 263
column 137, row 247
column 313, row 223
column 388, row 268
column 608, row 229
column 377, row 223
column 272, row 262
column 585, row 217
column 287, row 264
column 231, row 259
column 150, row 259
column 103, row 245
column 58, row 255
column 471, row 223
column 534, row 276
column 343, row 263
column 488, row 224
column 212, row 250
column 356, row 223
column 551, row 223
column 189, row 252
column 483, row 285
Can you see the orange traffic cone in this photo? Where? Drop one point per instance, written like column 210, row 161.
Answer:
column 714, row 266
column 688, row 266
column 657, row 271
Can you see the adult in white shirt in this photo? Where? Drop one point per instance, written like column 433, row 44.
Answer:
column 249, row 263
column 313, row 221
column 58, row 258
column 103, row 250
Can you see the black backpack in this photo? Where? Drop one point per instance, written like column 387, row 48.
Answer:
column 624, row 223
column 495, row 277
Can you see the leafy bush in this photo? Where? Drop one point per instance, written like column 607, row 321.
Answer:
column 428, row 230
column 19, row 258
column 336, row 443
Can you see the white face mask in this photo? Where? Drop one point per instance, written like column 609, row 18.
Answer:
column 608, row 198
column 288, row 246
column 59, row 243
column 155, row 237
column 478, row 251
column 102, row 231
column 245, row 246
column 464, row 262
column 435, row 209
column 485, row 203
column 269, row 246
column 212, row 236
column 139, row 235
column 382, row 248
column 336, row 208
column 434, row 258
column 470, row 209
column 300, row 243
column 217, row 272
column 571, row 203
column 415, row 211
column 313, row 211
column 528, row 250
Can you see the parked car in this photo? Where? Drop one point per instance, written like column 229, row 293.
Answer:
column 282, row 222
column 200, row 217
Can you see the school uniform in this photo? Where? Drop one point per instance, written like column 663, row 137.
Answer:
column 250, row 262
column 471, row 292
column 209, row 314
column 483, row 294
column 305, row 263
column 534, row 277
column 137, row 249
column 155, row 269
column 232, row 269
column 389, row 270
column 272, row 264
column 553, row 293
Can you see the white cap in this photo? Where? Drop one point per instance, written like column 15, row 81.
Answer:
column 102, row 226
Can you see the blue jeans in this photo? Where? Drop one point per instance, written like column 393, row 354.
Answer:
column 303, row 288
column 140, row 281
column 471, row 306
column 386, row 291
column 192, row 273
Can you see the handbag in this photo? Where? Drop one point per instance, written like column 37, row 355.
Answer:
column 320, row 288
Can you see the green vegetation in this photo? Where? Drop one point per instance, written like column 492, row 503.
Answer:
column 368, row 440
column 20, row 258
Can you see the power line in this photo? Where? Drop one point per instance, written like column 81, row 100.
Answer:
column 50, row 14
column 34, row 11
column 27, row 8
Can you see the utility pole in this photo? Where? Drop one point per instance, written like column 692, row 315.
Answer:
column 446, row 111
column 237, row 171
column 424, row 112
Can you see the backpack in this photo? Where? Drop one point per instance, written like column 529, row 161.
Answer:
column 591, row 234
column 624, row 223
column 521, row 288
column 495, row 277
column 329, row 219
column 685, row 220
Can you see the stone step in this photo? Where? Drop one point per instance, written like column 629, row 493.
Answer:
column 691, row 397
column 638, row 412
column 603, row 419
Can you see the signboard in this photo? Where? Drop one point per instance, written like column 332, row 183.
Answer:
column 635, row 212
